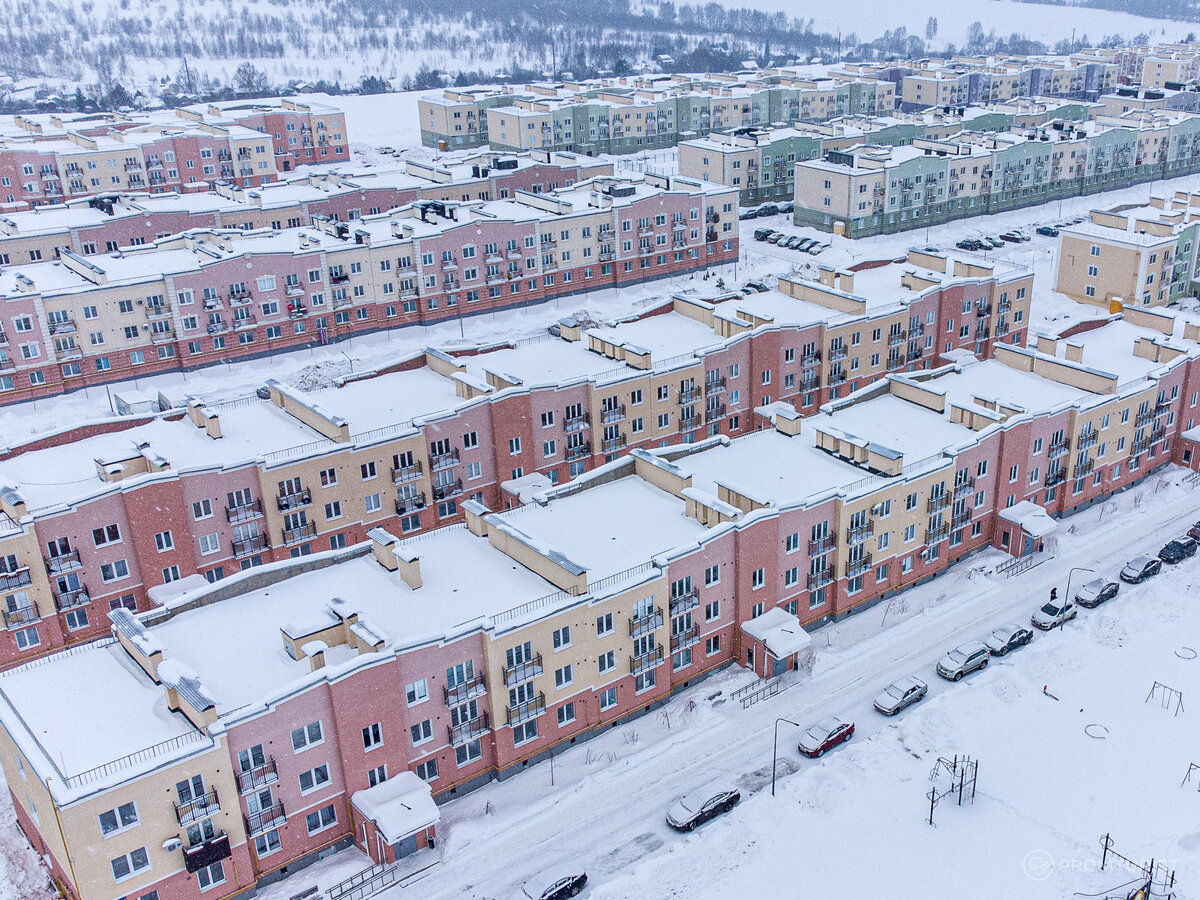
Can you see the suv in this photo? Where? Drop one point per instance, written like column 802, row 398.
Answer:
column 1047, row 231
column 964, row 660
column 761, row 234
column 701, row 805
column 768, row 209
column 1177, row 550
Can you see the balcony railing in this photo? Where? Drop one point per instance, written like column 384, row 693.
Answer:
column 612, row 414
column 245, row 512
column 639, row 625
column 836, row 353
column 576, row 423
column 858, row 533
column 643, row 662
column 611, row 445
column 530, row 709
column 409, row 504
column 714, row 385
column 933, row 535
column 443, row 460
column 837, row 377
column 688, row 395
column 1144, row 418
column 65, row 600
column 264, row 819
column 531, row 668
column 681, row 603
column 820, row 579
column 858, row 566
column 810, row 359
column 690, row 423
column 447, row 489
column 964, row 488
column 464, row 691
column 1058, row 449
column 914, row 355
column 22, row 615
column 299, row 533
column 961, row 518
column 256, row 543
column 578, row 451
column 1055, row 477
column 294, row 501
column 469, row 730
column 685, row 638
column 898, row 338
column 197, row 808
column 401, row 474
column 18, row 578
column 1088, row 439
column 937, row 504
column 1084, row 468
column 250, row 779
column 714, row 412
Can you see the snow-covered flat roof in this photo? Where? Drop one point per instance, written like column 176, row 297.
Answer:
column 784, row 310
column 399, row 807
column 549, row 361
column 1110, row 349
column 665, row 336
column 391, row 399
column 991, row 380
column 913, row 430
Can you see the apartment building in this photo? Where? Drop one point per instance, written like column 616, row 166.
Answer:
column 615, row 590
column 108, row 222
column 48, row 159
column 873, row 190
column 1139, row 257
column 978, row 80
column 209, row 295
column 256, row 481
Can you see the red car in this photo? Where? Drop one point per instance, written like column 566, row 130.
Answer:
column 1194, row 532
column 825, row 735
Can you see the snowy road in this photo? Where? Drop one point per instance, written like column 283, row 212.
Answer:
column 606, row 820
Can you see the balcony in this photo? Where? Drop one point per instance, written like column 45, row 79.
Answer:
column 934, row 535
column 530, row 709
column 688, row 395
column 15, row 579
column 855, row 567
column 576, row 423
column 1058, row 449
column 837, row 377
column 1086, row 467
column 295, row 500
column 613, row 444
column 578, row 451
column 714, row 412
column 690, row 423
column 1003, row 306
column 682, row 603
column 897, row 338
column 639, row 625
column 447, row 489
column 820, row 579
column 157, row 310
column 685, row 639
column 65, row 600
column 218, row 327
column 299, row 533
column 256, row 543
column 810, row 359
column 961, row 518
column 443, row 460
column 964, row 488
column 937, row 504
column 1087, row 439
column 895, row 360
column 856, row 534
column 245, row 512
column 410, row 503
column 206, row 853
column 1158, row 434
column 643, row 662
column 983, row 309
column 821, row 545
column 1144, row 417
column 469, row 730
column 612, row 414
column 63, row 562
column 810, row 381
column 197, row 808
column 1162, row 408
column 915, row 354
column 982, row 332
column 22, row 615
column 245, row 321
column 404, row 474
column 62, row 326
column 714, row 385
column 1055, row 477
column 338, row 279
column 464, row 691
column 531, row 668
column 836, row 353
column 250, row 779
column 264, row 820
column 239, row 297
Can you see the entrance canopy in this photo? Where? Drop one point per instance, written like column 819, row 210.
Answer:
column 778, row 631
column 1032, row 519
column 399, row 807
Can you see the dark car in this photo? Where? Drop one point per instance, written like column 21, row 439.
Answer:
column 701, row 805
column 748, row 214
column 1047, row 231
column 554, row 885
column 825, row 735
column 761, row 234
column 1140, row 568
column 758, row 286
column 1096, row 592
column 792, row 242
column 1177, row 550
column 1007, row 637
column 787, row 207
column 768, row 209
column 1011, row 236
column 969, row 244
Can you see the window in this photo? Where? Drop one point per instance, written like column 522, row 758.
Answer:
column 202, row 509
column 758, row 578
column 27, row 637
column 712, row 575
column 368, row 470
column 566, row 714
column 712, row 645
column 604, row 624
column 130, row 864
column 164, row 541
column 608, row 698
column 422, row 732
column 524, row 733
column 114, row 571
column 326, row 817
column 564, row 677
column 109, row 534
column 170, row 573
column 378, row 775
column 561, row 637
column 373, row 502
column 308, row 736
column 712, row 610
column 514, row 446
column 428, row 770
column 116, row 820
column 329, row 477
column 417, row 692
column 607, row 661
column 314, row 778
column 467, row 752
column 372, row 736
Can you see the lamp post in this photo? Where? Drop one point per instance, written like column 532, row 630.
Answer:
column 775, row 749
column 1062, row 616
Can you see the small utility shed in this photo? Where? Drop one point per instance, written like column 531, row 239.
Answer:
column 396, row 818
column 773, row 642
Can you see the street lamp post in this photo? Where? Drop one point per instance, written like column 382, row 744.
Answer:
column 775, row 749
column 1062, row 616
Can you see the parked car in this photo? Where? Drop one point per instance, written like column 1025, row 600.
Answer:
column 761, row 234
column 793, row 242
column 1140, row 568
column 758, row 286
column 776, row 238
column 825, row 735
column 806, row 243
column 701, row 805
column 969, row 244
column 751, row 213
column 1096, row 592
column 1055, row 612
column 1177, row 550
column 817, row 248
column 1048, row 231
column 1194, row 532
column 787, row 207
column 899, row 694
column 1007, row 637
column 1011, row 236
column 768, row 209
column 555, row 885
column 964, row 660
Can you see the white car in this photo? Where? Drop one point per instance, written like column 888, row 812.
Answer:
column 1055, row 612
column 964, row 660
column 1007, row 637
column 899, row 694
